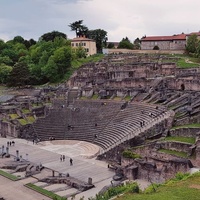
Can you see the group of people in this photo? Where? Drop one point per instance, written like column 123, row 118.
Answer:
column 11, row 143
column 62, row 159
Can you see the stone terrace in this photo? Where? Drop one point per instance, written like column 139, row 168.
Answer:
column 105, row 123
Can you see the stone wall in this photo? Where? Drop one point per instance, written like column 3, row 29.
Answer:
column 155, row 170
column 185, row 132
column 8, row 129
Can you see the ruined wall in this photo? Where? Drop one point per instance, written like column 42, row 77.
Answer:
column 8, row 129
column 185, row 132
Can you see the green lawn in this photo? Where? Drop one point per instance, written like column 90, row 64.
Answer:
column 44, row 192
column 190, row 140
column 183, row 64
column 175, row 153
column 188, row 189
column 9, row 176
column 186, row 126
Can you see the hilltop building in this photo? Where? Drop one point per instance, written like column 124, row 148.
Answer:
column 174, row 42
column 88, row 44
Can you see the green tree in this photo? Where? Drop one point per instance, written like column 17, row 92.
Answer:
column 110, row 45
column 18, row 39
column 58, row 64
column 52, row 35
column 2, row 45
column 4, row 73
column 5, row 60
column 80, row 52
column 79, row 28
column 50, row 70
column 136, row 43
column 125, row 44
column 19, row 76
column 192, row 43
column 100, row 36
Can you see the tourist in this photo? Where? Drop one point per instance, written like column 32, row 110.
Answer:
column 63, row 157
column 71, row 161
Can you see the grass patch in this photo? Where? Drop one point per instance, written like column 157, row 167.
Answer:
column 36, row 104
column 30, row 119
column 83, row 98
column 186, row 188
column 181, row 63
column 130, row 154
column 190, row 140
column 77, row 63
column 127, row 98
column 44, row 192
column 186, row 126
column 95, row 96
column 22, row 122
column 9, row 176
column 117, row 98
column 25, row 111
column 13, row 116
column 173, row 152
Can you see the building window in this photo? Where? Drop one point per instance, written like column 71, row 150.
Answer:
column 86, row 49
column 76, row 44
column 72, row 44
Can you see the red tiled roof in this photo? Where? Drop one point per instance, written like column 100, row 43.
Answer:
column 165, row 38
column 81, row 39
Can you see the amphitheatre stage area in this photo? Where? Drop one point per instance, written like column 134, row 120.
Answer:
column 48, row 154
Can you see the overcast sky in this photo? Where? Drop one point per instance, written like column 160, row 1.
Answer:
column 120, row 18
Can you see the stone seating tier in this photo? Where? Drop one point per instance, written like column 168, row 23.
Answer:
column 101, row 122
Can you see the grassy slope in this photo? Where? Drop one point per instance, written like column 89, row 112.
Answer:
column 181, row 190
column 190, row 140
column 186, row 126
column 77, row 63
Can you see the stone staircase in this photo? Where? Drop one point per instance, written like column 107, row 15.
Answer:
column 72, row 95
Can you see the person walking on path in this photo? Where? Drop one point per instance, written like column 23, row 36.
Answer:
column 61, row 158
column 71, row 161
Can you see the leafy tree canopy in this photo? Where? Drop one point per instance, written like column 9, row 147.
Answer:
column 125, row 44
column 192, row 43
column 19, row 76
column 52, row 35
column 100, row 36
column 79, row 28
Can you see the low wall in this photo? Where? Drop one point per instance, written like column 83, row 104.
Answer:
column 185, row 132
column 118, row 51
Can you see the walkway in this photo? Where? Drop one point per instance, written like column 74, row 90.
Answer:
column 48, row 154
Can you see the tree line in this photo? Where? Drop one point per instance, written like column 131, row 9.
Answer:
column 25, row 62
column 30, row 62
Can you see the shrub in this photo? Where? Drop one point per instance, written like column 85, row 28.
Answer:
column 130, row 154
column 152, row 188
